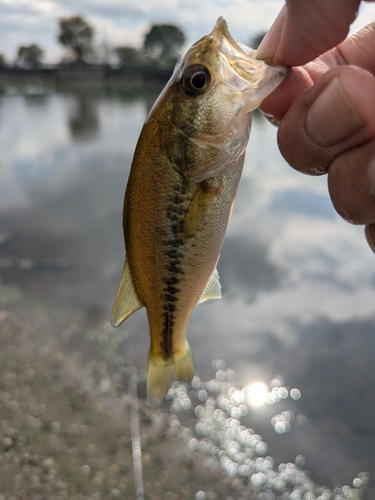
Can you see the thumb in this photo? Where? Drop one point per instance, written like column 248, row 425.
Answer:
column 335, row 115
column 356, row 50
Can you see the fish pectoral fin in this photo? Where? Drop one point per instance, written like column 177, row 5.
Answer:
column 213, row 288
column 162, row 373
column 127, row 300
column 196, row 211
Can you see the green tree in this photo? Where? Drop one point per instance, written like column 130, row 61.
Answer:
column 164, row 41
column 2, row 59
column 30, row 56
column 127, row 55
column 76, row 34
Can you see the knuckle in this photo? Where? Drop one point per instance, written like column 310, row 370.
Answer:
column 349, row 189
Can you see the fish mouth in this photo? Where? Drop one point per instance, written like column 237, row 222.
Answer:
column 224, row 41
column 241, row 70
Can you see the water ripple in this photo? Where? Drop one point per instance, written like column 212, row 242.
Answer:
column 216, row 432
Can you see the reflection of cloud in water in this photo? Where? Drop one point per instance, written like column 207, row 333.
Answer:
column 244, row 265
column 36, row 147
column 298, row 283
column 312, row 267
column 73, row 209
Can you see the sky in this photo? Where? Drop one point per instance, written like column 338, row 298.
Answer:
column 125, row 22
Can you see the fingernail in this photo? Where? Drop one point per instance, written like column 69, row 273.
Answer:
column 268, row 45
column 332, row 117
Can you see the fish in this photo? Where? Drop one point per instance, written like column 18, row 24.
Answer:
column 181, row 191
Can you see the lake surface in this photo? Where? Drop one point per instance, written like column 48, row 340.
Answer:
column 298, row 282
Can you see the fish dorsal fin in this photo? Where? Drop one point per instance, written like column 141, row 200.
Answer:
column 213, row 288
column 127, row 300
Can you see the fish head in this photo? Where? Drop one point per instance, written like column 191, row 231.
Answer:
column 205, row 109
column 219, row 64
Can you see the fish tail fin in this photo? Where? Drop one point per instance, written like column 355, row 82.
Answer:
column 162, row 373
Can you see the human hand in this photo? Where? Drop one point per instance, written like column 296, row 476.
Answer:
column 326, row 108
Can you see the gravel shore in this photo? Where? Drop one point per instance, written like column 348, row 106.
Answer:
column 64, row 418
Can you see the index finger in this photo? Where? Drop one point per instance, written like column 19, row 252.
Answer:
column 306, row 29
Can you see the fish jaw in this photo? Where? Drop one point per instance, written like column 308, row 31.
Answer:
column 241, row 71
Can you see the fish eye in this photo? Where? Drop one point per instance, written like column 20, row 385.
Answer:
column 195, row 80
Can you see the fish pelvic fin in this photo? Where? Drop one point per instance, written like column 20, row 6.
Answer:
column 162, row 373
column 212, row 289
column 127, row 300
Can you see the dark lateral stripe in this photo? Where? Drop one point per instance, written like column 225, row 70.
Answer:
column 172, row 244
column 167, row 340
column 170, row 298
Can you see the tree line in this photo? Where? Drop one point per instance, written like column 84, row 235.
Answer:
column 161, row 45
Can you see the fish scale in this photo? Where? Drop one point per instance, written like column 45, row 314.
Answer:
column 180, row 194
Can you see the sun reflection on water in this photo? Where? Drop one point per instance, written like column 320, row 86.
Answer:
column 257, row 393
column 216, row 431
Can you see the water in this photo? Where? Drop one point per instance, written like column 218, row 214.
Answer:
column 298, row 282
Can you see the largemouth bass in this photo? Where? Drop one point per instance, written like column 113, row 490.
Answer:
column 180, row 194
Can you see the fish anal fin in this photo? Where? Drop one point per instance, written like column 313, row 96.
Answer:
column 127, row 300
column 212, row 289
column 162, row 373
